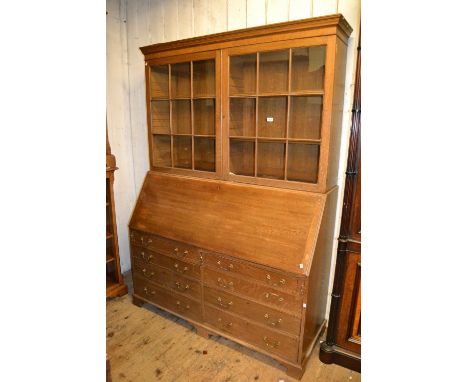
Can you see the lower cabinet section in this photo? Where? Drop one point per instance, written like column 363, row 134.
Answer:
column 271, row 341
column 220, row 295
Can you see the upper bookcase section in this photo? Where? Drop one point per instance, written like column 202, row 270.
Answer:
column 262, row 105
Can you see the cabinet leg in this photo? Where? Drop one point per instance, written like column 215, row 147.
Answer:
column 295, row 372
column 137, row 301
column 202, row 332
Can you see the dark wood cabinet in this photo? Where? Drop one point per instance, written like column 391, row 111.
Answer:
column 233, row 227
column 343, row 344
column 115, row 285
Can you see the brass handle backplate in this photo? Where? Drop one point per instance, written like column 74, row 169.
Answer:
column 270, row 343
column 230, row 267
column 146, row 273
column 179, row 269
column 145, row 256
column 273, row 323
column 225, row 284
column 148, row 292
column 177, row 251
column 181, row 306
column 281, row 282
column 224, row 305
column 181, row 287
column 226, row 325
column 270, row 294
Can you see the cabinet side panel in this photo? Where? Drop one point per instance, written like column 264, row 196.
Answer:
column 337, row 114
column 320, row 273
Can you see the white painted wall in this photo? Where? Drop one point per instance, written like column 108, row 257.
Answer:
column 135, row 23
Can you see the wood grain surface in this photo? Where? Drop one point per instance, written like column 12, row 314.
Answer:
column 248, row 222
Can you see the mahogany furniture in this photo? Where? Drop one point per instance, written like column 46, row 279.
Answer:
column 343, row 344
column 115, row 285
column 233, row 227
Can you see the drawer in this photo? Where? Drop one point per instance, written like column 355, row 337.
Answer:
column 146, row 256
column 173, row 301
column 252, row 310
column 261, row 293
column 269, row 340
column 166, row 246
column 168, row 279
column 272, row 278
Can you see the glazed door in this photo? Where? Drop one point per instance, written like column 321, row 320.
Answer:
column 273, row 112
column 183, row 103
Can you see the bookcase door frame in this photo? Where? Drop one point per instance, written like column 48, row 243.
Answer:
column 327, row 98
column 201, row 56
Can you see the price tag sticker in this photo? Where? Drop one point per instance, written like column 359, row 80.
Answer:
column 270, row 119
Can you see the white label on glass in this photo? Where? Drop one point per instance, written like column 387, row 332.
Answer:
column 269, row 119
column 301, row 266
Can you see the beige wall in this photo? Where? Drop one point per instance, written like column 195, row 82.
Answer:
column 135, row 23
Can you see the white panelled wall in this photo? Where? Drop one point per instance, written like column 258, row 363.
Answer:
column 132, row 24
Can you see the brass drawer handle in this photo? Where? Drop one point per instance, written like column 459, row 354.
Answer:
column 230, row 267
column 176, row 250
column 273, row 323
column 146, row 257
column 282, row 281
column 181, row 307
column 146, row 291
column 224, row 305
column 224, row 284
column 146, row 273
column 268, row 294
column 142, row 238
column 271, row 344
column 181, row 270
column 224, row 325
column 181, row 287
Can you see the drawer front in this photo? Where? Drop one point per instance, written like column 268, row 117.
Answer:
column 168, row 279
column 181, row 267
column 254, row 311
column 261, row 293
column 175, row 302
column 271, row 278
column 166, row 246
column 266, row 339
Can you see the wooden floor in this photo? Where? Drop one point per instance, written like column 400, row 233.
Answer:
column 147, row 344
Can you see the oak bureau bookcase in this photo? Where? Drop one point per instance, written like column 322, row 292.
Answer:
column 233, row 227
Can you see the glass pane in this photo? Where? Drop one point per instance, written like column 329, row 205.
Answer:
column 273, row 71
column 180, row 80
column 160, row 117
column 182, row 151
column 308, row 68
column 204, row 116
column 160, row 81
column 204, row 78
column 181, row 117
column 303, row 162
column 272, row 117
column 242, row 74
column 204, row 154
column 162, row 151
column 242, row 117
column 270, row 160
column 306, row 117
column 242, row 157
